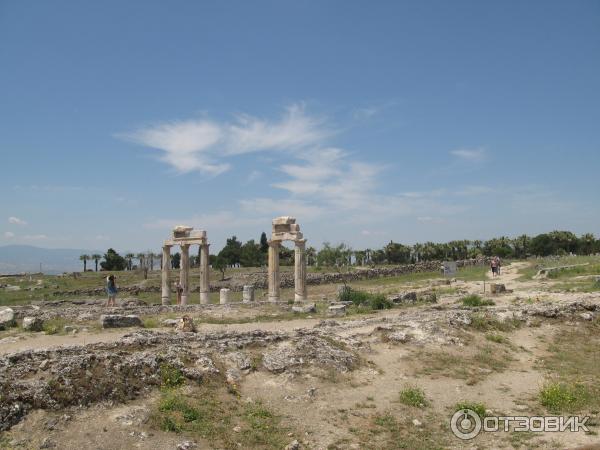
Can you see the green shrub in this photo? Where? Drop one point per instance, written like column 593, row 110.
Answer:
column 560, row 397
column 477, row 408
column 359, row 298
column 475, row 300
column 413, row 396
column 171, row 376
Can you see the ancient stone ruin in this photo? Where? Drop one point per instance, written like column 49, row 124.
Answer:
column 185, row 236
column 285, row 228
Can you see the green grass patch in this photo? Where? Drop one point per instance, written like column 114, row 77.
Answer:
column 572, row 366
column 211, row 413
column 477, row 408
column 55, row 325
column 362, row 298
column 475, row 300
column 413, row 396
column 559, row 397
column 170, row 376
column 484, row 322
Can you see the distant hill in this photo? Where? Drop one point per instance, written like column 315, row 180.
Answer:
column 27, row 258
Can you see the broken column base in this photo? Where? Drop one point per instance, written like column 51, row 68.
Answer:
column 204, row 298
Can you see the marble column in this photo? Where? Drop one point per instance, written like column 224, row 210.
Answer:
column 248, row 294
column 274, row 271
column 165, row 280
column 184, row 272
column 204, row 271
column 224, row 296
column 300, row 271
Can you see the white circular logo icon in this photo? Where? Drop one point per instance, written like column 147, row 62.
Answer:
column 465, row 424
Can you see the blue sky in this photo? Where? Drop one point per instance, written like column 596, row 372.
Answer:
column 368, row 121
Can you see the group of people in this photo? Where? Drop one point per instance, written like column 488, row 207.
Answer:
column 111, row 290
column 495, row 265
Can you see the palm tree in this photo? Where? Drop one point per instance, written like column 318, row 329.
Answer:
column 141, row 258
column 96, row 257
column 84, row 258
column 129, row 257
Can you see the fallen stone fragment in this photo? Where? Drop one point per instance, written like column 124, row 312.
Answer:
column 32, row 324
column 119, row 321
column 337, row 310
column 7, row 318
column 308, row 308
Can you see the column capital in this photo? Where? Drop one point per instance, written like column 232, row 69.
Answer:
column 274, row 243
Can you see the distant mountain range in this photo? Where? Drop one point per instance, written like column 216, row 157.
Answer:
column 27, row 258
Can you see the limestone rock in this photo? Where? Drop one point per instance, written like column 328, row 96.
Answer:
column 32, row 324
column 308, row 308
column 119, row 321
column 170, row 322
column 294, row 445
column 7, row 318
column 337, row 310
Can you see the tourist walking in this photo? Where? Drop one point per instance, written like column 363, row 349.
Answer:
column 179, row 290
column 111, row 290
column 494, row 265
column 498, row 265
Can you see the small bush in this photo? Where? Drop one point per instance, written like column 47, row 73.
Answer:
column 360, row 298
column 477, row 408
column 413, row 396
column 171, row 376
column 475, row 300
column 497, row 338
column 560, row 397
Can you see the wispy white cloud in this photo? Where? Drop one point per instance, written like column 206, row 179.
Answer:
column 9, row 234
column 35, row 237
column 16, row 221
column 201, row 145
column 473, row 155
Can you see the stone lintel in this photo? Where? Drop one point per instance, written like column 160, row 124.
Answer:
column 286, row 236
column 284, row 220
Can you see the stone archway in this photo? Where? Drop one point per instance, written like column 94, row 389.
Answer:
column 285, row 228
column 185, row 236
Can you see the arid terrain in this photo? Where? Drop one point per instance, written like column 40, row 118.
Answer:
column 267, row 376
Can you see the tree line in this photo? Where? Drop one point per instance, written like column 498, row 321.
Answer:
column 254, row 254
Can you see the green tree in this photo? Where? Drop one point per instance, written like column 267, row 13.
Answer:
column 232, row 251
column 220, row 264
column 397, row 253
column 96, row 257
column 129, row 257
column 587, row 244
column 251, row 254
column 85, row 259
column 176, row 260
column 113, row 261
column 264, row 243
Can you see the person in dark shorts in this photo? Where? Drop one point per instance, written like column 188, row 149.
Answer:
column 111, row 290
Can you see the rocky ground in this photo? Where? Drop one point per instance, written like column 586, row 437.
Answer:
column 263, row 376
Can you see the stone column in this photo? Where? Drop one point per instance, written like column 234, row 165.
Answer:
column 248, row 294
column 184, row 272
column 224, row 296
column 300, row 271
column 204, row 271
column 273, row 271
column 165, row 280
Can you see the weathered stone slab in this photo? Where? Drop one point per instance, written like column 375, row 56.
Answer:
column 119, row 321
column 308, row 308
column 32, row 324
column 337, row 310
column 7, row 318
